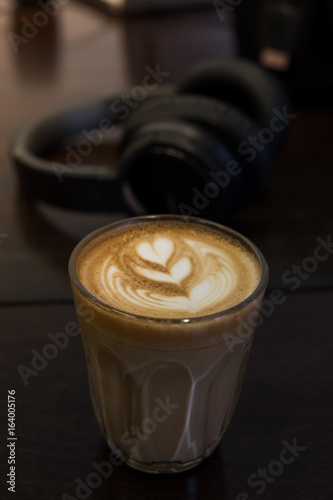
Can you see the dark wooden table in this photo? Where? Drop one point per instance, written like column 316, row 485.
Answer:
column 286, row 402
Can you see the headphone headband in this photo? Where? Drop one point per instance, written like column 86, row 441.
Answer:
column 72, row 185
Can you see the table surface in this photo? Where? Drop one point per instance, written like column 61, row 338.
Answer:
column 286, row 401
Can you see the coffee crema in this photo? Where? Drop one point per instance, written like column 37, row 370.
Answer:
column 168, row 269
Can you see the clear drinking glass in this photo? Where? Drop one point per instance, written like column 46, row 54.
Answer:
column 164, row 390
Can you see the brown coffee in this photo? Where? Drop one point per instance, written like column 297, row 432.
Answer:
column 166, row 293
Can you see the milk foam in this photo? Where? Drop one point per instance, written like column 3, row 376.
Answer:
column 168, row 269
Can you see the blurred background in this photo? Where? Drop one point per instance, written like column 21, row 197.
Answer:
column 53, row 53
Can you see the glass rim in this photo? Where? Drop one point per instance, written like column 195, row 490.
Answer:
column 261, row 286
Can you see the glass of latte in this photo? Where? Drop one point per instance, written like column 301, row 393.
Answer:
column 167, row 306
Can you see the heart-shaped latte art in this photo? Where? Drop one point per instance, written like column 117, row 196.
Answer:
column 159, row 252
column 197, row 277
column 170, row 272
column 177, row 273
column 181, row 269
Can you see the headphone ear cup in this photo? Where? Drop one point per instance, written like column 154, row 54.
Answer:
column 221, row 122
column 248, row 87
column 172, row 166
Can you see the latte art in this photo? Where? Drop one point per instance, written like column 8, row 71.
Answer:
column 170, row 271
column 165, row 280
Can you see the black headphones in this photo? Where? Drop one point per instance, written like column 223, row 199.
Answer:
column 203, row 148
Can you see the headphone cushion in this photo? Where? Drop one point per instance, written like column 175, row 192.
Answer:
column 245, row 85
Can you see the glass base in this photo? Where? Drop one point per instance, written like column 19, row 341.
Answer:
column 164, row 467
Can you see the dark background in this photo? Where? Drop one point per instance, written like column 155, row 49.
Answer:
column 83, row 52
